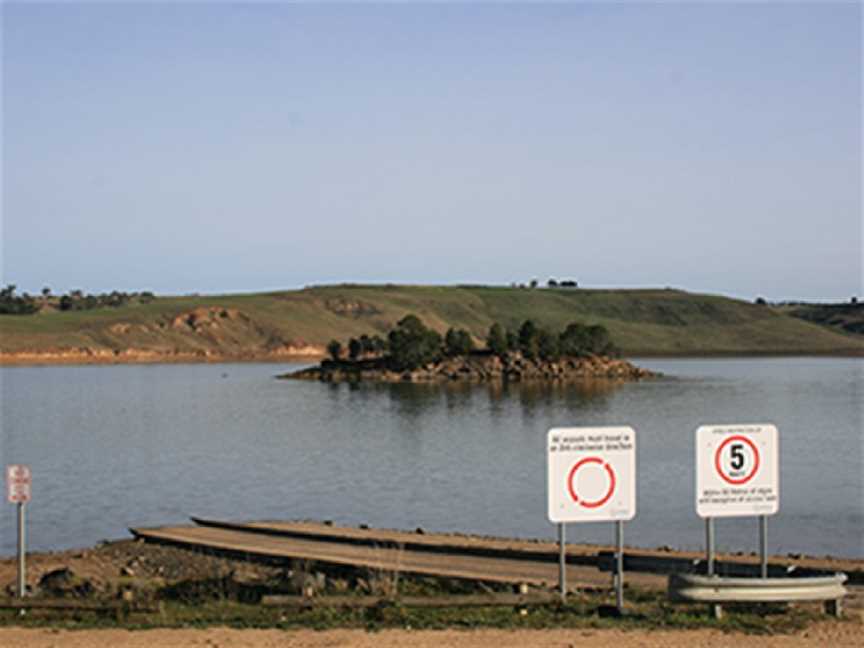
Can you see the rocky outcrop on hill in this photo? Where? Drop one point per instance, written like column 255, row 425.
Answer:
column 477, row 367
column 203, row 334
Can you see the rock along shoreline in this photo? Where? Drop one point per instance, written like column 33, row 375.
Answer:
column 477, row 367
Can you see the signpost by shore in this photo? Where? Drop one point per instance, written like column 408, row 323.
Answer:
column 592, row 478
column 18, row 491
column 737, row 474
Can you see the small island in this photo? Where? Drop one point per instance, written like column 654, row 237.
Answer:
column 412, row 352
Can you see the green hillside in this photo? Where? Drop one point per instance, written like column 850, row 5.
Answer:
column 640, row 321
column 844, row 317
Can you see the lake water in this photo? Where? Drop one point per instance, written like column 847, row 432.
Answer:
column 113, row 447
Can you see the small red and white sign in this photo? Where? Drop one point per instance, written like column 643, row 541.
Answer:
column 736, row 470
column 18, row 482
column 592, row 474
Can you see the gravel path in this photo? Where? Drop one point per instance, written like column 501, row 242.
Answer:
column 836, row 635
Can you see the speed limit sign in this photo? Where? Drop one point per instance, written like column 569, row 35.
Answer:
column 736, row 470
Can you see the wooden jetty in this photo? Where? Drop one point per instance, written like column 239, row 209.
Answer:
column 459, row 556
column 383, row 557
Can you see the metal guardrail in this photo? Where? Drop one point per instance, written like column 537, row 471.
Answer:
column 691, row 588
column 605, row 561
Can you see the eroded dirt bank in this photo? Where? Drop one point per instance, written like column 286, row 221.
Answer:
column 99, row 356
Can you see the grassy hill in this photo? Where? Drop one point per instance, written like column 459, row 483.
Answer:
column 664, row 322
column 846, row 317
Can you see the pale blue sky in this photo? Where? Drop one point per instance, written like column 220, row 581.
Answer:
column 215, row 147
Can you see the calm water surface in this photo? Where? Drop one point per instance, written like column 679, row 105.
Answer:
column 113, row 447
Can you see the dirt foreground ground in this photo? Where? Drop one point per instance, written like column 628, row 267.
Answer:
column 130, row 562
column 828, row 634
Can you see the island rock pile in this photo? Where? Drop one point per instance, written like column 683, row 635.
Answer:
column 478, row 367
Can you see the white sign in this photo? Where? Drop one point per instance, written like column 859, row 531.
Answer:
column 18, row 481
column 592, row 474
column 736, row 470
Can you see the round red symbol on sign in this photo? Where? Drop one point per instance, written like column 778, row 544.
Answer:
column 718, row 460
column 609, row 491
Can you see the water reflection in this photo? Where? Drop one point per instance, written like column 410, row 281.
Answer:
column 417, row 399
column 526, row 400
column 537, row 396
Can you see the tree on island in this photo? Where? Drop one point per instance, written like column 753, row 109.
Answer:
column 458, row 342
column 599, row 341
column 496, row 341
column 547, row 345
column 365, row 346
column 334, row 348
column 377, row 344
column 529, row 339
column 355, row 347
column 573, row 341
column 512, row 340
column 412, row 345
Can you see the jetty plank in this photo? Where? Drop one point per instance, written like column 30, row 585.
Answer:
column 599, row 556
column 443, row 542
column 379, row 558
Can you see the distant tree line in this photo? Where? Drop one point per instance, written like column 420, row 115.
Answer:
column 564, row 283
column 853, row 301
column 77, row 300
column 552, row 283
column 411, row 344
column 74, row 300
column 12, row 304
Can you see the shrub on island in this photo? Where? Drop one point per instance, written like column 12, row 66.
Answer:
column 411, row 344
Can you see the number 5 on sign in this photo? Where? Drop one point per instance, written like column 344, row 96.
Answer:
column 736, row 470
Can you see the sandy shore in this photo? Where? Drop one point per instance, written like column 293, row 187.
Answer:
column 836, row 635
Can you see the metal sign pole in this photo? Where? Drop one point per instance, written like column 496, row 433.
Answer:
column 709, row 544
column 619, row 566
column 562, row 562
column 591, row 475
column 22, row 579
column 763, row 544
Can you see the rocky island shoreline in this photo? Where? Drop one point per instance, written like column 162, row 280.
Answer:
column 477, row 367
column 413, row 352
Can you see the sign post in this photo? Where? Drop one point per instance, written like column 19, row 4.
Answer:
column 18, row 482
column 737, row 474
column 763, row 545
column 592, row 478
column 562, row 562
column 709, row 546
column 619, row 565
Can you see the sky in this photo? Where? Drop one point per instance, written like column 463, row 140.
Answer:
column 213, row 147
